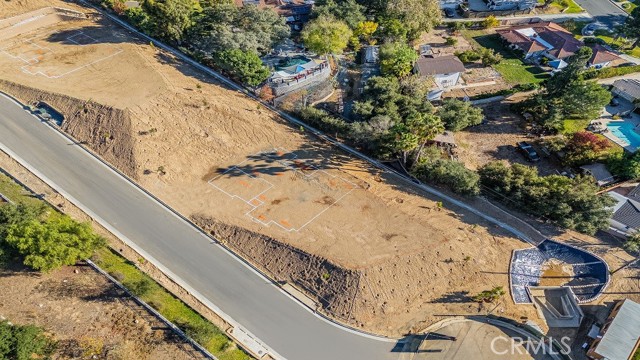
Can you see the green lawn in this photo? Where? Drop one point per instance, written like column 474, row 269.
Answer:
column 572, row 126
column 570, row 8
column 512, row 68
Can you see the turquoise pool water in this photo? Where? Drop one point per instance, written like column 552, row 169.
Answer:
column 625, row 132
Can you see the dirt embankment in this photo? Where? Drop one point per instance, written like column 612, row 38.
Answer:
column 106, row 130
column 333, row 287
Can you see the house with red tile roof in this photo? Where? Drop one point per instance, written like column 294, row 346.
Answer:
column 602, row 57
column 546, row 39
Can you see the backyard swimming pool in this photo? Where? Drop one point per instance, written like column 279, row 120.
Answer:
column 625, row 131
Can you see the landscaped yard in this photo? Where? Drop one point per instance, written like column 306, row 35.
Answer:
column 568, row 6
column 512, row 68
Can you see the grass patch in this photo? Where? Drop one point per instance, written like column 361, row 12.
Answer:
column 629, row 6
column 16, row 193
column 567, row 6
column 635, row 52
column 197, row 327
column 572, row 126
column 512, row 68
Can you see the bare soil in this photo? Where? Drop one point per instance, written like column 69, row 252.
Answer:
column 87, row 315
column 497, row 139
column 411, row 260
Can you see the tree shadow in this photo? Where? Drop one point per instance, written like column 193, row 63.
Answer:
column 456, row 297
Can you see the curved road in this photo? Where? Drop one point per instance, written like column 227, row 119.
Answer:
column 184, row 253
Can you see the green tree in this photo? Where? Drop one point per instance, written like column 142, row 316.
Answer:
column 365, row 30
column 458, row 115
column 417, row 16
column 246, row 66
column 492, row 295
column 140, row 19
column 632, row 243
column 326, row 35
column 49, row 244
column 570, row 203
column 490, row 22
column 631, row 27
column 348, row 11
column 172, row 18
column 24, row 342
column 452, row 174
column 225, row 27
column 393, row 30
column 397, row 59
column 567, row 95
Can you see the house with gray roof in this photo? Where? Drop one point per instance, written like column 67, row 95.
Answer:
column 626, row 212
column 628, row 89
column 618, row 338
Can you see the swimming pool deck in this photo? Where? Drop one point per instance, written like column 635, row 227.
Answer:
column 608, row 117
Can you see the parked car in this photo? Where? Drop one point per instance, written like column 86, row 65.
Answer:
column 528, row 151
column 449, row 12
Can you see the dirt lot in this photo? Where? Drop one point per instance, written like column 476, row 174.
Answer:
column 497, row 140
column 214, row 154
column 87, row 315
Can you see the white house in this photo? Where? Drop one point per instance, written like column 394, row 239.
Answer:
column 450, row 3
column 511, row 4
column 444, row 70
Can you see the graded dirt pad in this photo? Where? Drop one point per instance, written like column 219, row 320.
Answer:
column 395, row 259
column 106, row 130
column 88, row 316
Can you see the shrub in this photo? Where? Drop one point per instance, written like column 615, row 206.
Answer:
column 53, row 242
column 492, row 295
column 321, row 120
column 24, row 342
column 609, row 72
column 457, row 115
column 490, row 22
column 570, row 203
column 452, row 174
column 451, row 41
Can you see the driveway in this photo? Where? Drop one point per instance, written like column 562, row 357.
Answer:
column 604, row 11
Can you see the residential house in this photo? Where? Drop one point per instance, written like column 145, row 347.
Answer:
column 602, row 57
column 296, row 12
column 497, row 5
column 618, row 338
column 450, row 3
column 628, row 89
column 298, row 72
column 445, row 71
column 546, row 39
column 626, row 211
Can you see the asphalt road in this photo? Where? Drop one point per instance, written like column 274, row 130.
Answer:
column 280, row 322
column 604, row 11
